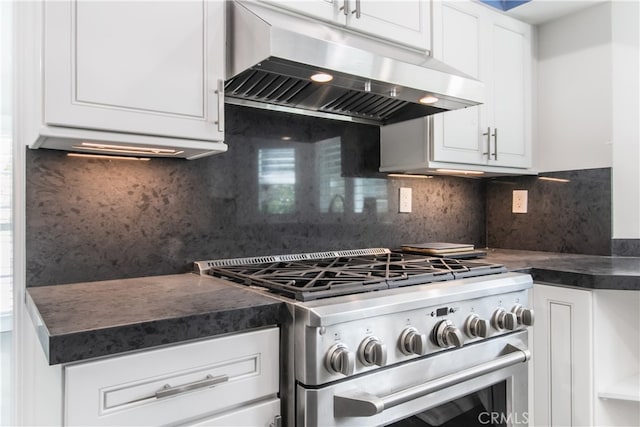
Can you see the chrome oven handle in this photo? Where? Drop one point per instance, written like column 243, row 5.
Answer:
column 362, row 404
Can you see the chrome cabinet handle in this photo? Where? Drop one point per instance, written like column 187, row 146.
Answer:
column 362, row 404
column 495, row 140
column 345, row 8
column 208, row 381
column 220, row 93
column 357, row 10
column 277, row 421
column 488, row 135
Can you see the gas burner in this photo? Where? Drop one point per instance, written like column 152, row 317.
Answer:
column 312, row 276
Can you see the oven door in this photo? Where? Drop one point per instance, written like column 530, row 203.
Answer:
column 483, row 384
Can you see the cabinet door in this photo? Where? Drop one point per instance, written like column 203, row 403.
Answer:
column 563, row 356
column 406, row 22
column 327, row 10
column 457, row 135
column 511, row 93
column 496, row 50
column 137, row 67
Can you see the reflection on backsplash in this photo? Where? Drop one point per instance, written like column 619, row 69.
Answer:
column 276, row 180
column 288, row 184
column 329, row 190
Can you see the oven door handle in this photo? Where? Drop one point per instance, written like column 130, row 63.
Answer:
column 362, row 404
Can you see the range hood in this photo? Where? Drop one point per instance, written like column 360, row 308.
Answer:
column 272, row 54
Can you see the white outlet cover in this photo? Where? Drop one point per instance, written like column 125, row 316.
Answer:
column 404, row 205
column 519, row 204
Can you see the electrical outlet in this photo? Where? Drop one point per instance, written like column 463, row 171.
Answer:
column 519, row 201
column 405, row 200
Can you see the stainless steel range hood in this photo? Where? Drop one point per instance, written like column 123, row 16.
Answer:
column 273, row 54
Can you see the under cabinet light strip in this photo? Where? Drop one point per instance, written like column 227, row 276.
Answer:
column 407, row 175
column 106, row 156
column 548, row 178
column 127, row 149
column 464, row 172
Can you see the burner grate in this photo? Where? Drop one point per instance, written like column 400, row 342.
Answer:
column 311, row 276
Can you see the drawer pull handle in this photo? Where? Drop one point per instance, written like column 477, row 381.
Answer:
column 208, row 381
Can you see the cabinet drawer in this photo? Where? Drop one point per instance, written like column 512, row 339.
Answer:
column 263, row 414
column 174, row 384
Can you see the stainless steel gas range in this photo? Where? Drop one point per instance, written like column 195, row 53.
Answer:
column 387, row 338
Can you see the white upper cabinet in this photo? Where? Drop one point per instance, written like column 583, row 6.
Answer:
column 510, row 102
column 456, row 133
column 145, row 73
column 495, row 49
column 327, row 10
column 405, row 22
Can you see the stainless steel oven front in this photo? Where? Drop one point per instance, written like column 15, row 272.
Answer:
column 378, row 337
column 481, row 384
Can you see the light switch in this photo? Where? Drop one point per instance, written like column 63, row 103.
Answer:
column 405, row 200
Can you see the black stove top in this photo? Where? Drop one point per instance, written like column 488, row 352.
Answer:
column 310, row 279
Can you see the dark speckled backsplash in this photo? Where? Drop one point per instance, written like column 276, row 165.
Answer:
column 94, row 219
column 572, row 216
column 288, row 184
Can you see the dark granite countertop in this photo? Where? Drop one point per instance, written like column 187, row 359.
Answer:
column 85, row 320
column 585, row 271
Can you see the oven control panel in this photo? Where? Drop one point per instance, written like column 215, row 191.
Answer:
column 366, row 344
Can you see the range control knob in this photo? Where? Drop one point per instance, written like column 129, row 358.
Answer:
column 447, row 335
column 524, row 316
column 503, row 319
column 372, row 352
column 340, row 360
column 474, row 327
column 413, row 342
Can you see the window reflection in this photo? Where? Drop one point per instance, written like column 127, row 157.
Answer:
column 277, row 180
column 370, row 195
column 336, row 193
column 309, row 178
column 330, row 180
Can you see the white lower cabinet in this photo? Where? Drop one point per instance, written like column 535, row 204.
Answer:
column 563, row 356
column 260, row 414
column 226, row 381
column 586, row 357
column 616, row 315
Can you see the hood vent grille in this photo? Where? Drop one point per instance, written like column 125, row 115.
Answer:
column 260, row 87
column 364, row 104
column 265, row 87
